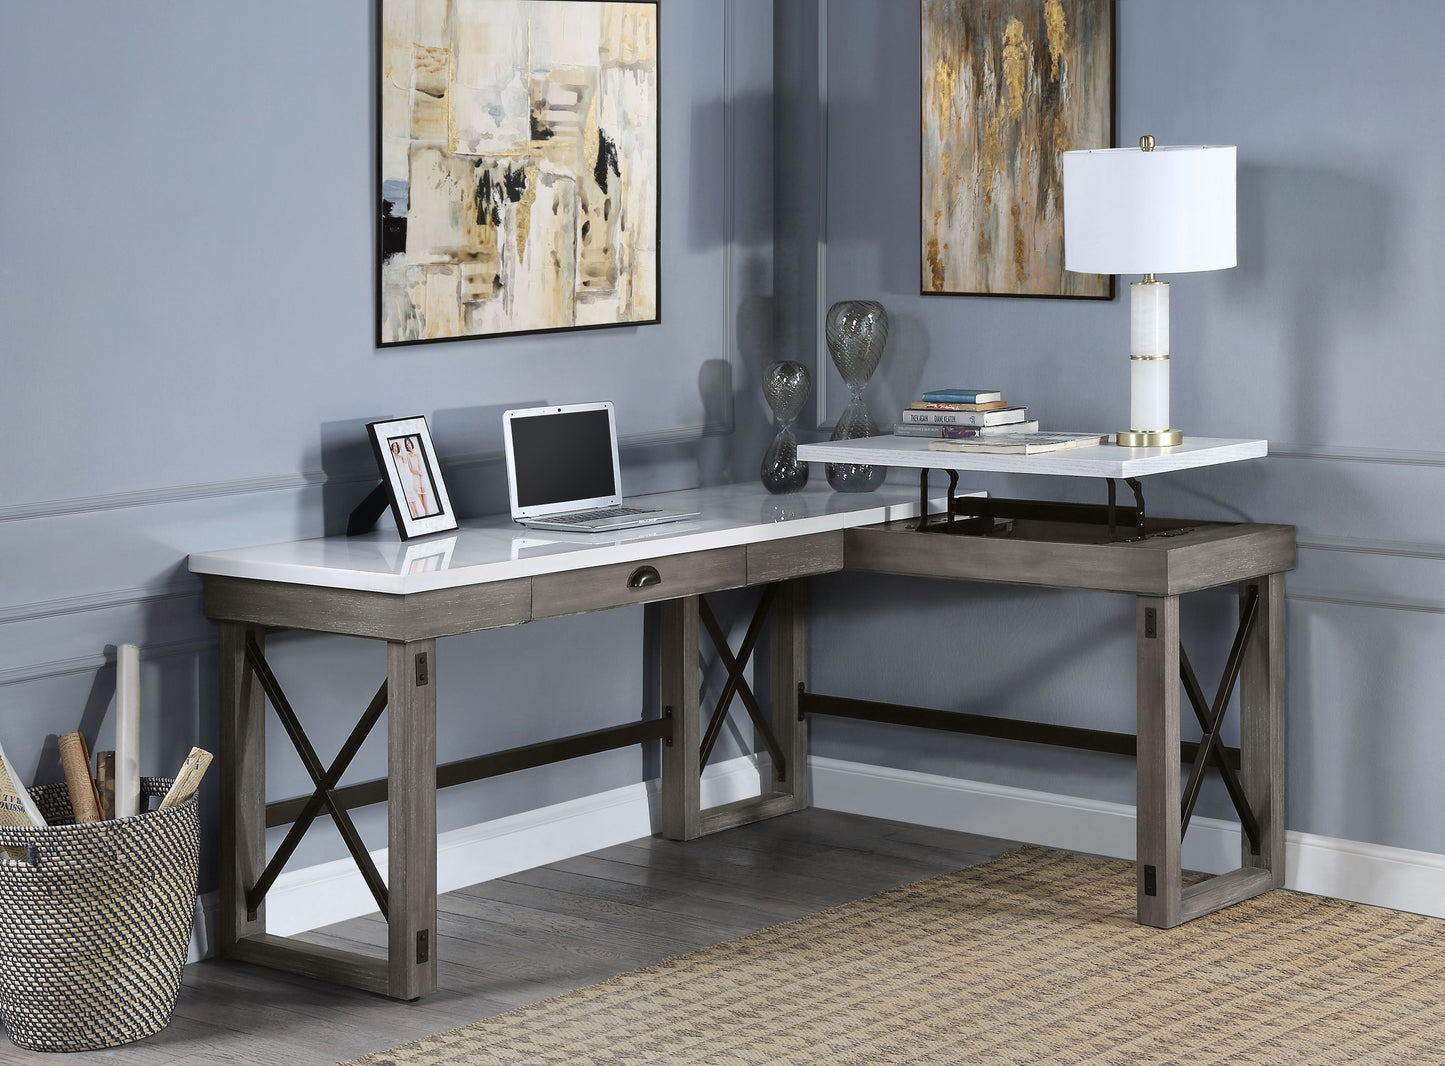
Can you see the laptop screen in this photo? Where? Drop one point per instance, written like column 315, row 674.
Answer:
column 563, row 456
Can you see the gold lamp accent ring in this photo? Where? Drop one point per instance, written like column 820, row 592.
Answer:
column 1151, row 438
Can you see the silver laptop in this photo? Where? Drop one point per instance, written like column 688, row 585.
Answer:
column 563, row 473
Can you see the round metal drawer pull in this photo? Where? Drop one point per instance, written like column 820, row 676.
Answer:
column 644, row 577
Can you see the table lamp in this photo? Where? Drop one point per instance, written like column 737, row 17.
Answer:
column 1148, row 210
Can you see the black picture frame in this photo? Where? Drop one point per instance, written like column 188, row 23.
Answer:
column 387, row 230
column 412, row 476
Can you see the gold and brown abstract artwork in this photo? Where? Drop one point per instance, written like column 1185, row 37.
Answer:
column 518, row 167
column 1008, row 85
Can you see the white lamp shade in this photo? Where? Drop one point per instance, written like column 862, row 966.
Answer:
column 1167, row 211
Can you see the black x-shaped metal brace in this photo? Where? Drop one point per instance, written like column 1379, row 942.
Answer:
column 1211, row 720
column 325, row 780
column 737, row 684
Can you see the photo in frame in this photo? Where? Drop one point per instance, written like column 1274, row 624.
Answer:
column 412, row 475
column 1007, row 87
column 518, row 158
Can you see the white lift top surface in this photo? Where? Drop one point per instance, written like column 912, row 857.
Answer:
column 1106, row 460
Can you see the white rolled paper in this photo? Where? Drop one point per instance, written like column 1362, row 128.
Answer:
column 127, row 731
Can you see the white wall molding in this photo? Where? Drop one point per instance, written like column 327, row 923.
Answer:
column 1345, row 869
column 1385, row 604
column 84, row 663
column 1393, row 548
column 306, row 479
column 99, row 601
column 1345, row 454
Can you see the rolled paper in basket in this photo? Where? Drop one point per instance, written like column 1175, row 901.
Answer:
column 105, row 783
column 127, row 730
column 188, row 778
column 75, row 761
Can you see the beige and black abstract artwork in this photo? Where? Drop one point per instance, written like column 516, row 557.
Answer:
column 518, row 167
column 1008, row 85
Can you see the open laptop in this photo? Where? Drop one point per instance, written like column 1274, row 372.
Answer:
column 563, row 473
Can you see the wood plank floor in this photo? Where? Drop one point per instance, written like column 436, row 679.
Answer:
column 528, row 937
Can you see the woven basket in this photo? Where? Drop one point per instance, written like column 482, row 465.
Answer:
column 94, row 927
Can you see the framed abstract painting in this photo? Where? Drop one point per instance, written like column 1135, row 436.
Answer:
column 518, row 167
column 1008, row 85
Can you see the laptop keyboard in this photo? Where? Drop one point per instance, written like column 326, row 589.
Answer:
column 604, row 513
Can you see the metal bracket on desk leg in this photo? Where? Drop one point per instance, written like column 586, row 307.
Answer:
column 948, row 513
column 1134, row 484
column 1141, row 528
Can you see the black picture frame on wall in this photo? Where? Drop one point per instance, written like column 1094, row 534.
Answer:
column 552, row 153
column 411, row 476
column 990, row 197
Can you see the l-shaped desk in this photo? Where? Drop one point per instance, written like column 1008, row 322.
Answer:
column 491, row 573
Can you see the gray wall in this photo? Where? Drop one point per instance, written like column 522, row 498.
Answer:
column 185, row 222
column 1325, row 340
column 186, row 217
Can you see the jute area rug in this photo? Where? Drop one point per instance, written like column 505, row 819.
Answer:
column 1031, row 958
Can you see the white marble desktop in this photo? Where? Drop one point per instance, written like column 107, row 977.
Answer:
column 1106, row 460
column 495, row 548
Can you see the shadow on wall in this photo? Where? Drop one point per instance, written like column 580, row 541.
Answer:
column 477, row 473
column 1314, row 245
column 350, row 468
column 711, row 221
column 715, row 460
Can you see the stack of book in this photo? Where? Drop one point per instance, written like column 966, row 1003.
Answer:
column 963, row 414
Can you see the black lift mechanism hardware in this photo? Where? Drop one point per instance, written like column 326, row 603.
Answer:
column 978, row 515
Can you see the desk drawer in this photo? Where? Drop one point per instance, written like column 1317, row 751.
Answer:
column 644, row 581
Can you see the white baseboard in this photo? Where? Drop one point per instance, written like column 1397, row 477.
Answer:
column 334, row 891
column 1346, row 869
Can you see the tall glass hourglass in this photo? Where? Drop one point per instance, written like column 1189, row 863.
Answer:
column 786, row 387
column 857, row 332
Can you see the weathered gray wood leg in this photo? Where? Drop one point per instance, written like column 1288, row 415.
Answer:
column 681, row 687
column 1261, row 726
column 788, row 655
column 411, row 818
column 1158, row 856
column 243, row 786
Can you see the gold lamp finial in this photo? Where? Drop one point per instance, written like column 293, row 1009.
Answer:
column 1146, row 143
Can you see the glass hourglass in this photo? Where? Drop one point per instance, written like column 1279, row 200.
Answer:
column 857, row 331
column 786, row 387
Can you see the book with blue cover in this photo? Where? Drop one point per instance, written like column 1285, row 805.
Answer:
column 963, row 396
